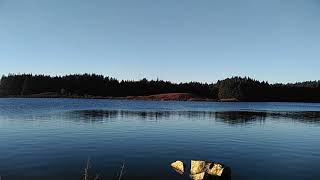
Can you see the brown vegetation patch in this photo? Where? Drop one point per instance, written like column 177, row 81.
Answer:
column 168, row 97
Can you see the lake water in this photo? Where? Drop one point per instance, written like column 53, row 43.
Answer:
column 53, row 138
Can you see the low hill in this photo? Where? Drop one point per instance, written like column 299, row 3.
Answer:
column 169, row 97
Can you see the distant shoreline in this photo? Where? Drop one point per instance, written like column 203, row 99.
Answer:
column 154, row 97
column 145, row 98
column 93, row 86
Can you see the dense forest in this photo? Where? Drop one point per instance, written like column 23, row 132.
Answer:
column 92, row 85
column 247, row 89
column 95, row 85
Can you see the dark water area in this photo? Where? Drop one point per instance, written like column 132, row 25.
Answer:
column 53, row 138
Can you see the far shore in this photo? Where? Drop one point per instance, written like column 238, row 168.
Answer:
column 155, row 97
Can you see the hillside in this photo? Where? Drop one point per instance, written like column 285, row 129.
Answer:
column 169, row 97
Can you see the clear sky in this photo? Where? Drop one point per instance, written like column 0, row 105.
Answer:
column 177, row 40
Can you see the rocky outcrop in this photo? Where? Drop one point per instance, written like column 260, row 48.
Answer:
column 204, row 170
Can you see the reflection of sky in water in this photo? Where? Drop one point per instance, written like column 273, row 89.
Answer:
column 52, row 138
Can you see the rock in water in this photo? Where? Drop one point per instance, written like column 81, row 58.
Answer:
column 199, row 176
column 203, row 170
column 197, row 167
column 214, row 169
column 178, row 166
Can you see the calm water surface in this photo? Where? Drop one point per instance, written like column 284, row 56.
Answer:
column 53, row 138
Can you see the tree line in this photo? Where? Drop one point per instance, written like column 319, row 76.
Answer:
column 95, row 85
column 235, row 88
column 247, row 89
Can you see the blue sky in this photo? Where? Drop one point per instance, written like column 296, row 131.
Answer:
column 185, row 40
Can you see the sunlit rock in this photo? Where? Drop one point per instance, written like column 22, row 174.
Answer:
column 178, row 166
column 214, row 169
column 197, row 167
column 203, row 170
column 199, row 176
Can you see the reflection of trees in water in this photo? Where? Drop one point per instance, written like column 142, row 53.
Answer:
column 145, row 114
column 97, row 115
column 166, row 114
column 302, row 116
column 92, row 115
column 240, row 117
column 229, row 117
